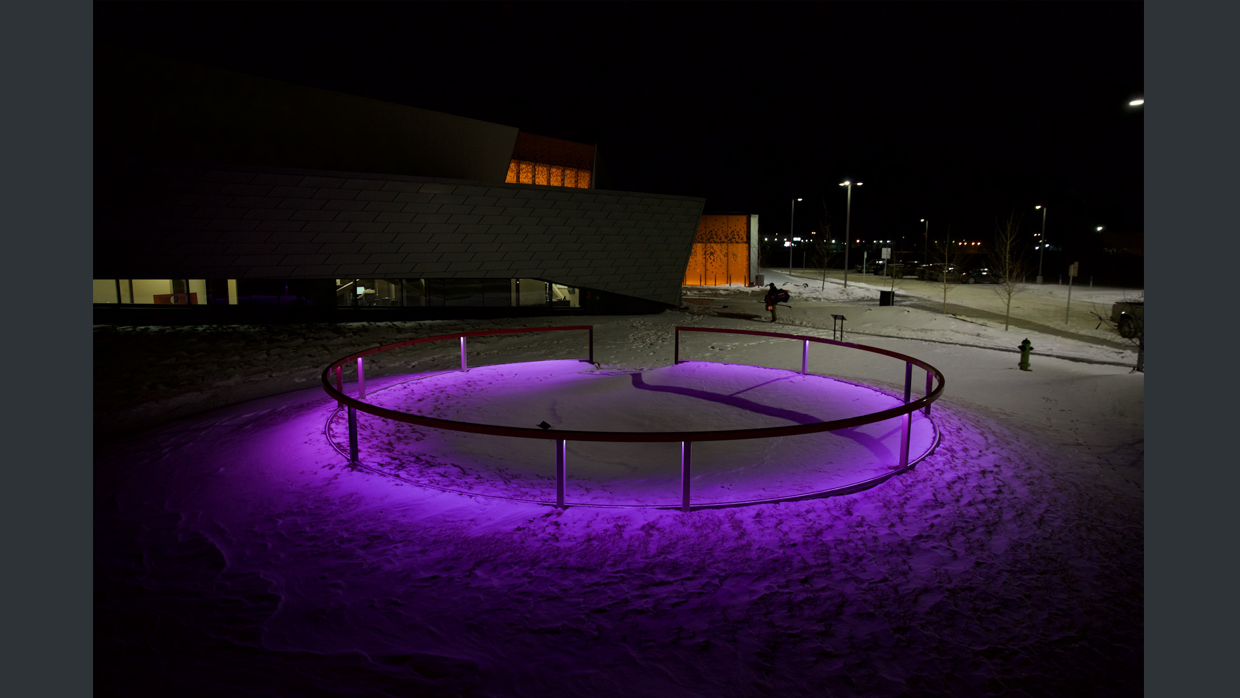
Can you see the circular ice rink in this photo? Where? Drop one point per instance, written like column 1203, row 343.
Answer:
column 572, row 395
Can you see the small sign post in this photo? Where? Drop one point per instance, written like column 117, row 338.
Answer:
column 1071, row 275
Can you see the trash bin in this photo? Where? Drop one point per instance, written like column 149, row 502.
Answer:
column 886, row 298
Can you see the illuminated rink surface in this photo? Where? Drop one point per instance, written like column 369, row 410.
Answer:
column 574, row 395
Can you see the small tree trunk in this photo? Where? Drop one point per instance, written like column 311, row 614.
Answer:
column 1007, row 314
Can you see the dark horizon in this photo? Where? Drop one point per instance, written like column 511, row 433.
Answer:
column 962, row 114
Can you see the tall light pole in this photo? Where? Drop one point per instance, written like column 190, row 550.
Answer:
column 1042, row 242
column 926, row 260
column 790, row 221
column 847, row 229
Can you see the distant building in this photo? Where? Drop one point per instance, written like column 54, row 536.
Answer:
column 222, row 197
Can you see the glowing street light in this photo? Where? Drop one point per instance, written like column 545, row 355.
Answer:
column 1137, row 102
column 1042, row 239
column 927, row 257
column 791, row 219
column 1099, row 229
column 847, row 223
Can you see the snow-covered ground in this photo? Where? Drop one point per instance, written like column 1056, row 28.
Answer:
column 237, row 554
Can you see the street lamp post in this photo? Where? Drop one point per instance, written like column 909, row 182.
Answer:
column 847, row 229
column 926, row 260
column 1042, row 242
column 790, row 221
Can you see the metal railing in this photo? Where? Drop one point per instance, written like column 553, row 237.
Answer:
column 686, row 438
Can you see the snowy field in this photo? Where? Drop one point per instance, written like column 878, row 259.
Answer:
column 237, row 554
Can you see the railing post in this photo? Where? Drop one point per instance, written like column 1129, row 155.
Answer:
column 908, row 381
column 686, row 466
column 361, row 380
column 591, row 337
column 352, row 436
column 463, row 364
column 340, row 379
column 676, row 353
column 929, row 385
column 905, row 434
column 805, row 359
column 561, row 455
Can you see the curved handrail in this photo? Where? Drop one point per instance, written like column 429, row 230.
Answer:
column 638, row 436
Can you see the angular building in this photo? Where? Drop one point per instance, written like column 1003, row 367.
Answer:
column 229, row 198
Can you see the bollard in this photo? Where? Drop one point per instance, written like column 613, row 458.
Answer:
column 561, row 465
column 929, row 387
column 686, row 466
column 361, row 380
column 463, row 365
column 805, row 359
column 352, row 436
column 905, row 435
column 1025, row 349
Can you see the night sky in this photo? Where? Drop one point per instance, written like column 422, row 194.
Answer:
column 958, row 112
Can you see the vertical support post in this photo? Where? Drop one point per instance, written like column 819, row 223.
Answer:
column 908, row 381
column 463, row 364
column 805, row 359
column 340, row 379
column 352, row 436
column 591, row 338
column 361, row 380
column 676, row 354
column 905, row 433
column 561, row 456
column 929, row 386
column 686, row 467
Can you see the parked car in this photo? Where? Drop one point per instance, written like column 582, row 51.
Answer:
column 979, row 275
column 870, row 266
column 898, row 269
column 935, row 272
column 1129, row 317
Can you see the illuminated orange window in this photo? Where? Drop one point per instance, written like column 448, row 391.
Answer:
column 525, row 172
column 720, row 252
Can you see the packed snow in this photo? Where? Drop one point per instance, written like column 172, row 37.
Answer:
column 238, row 554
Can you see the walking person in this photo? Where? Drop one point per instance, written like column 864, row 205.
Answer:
column 774, row 297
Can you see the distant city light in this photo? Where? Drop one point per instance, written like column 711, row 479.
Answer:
column 1136, row 102
column 1038, row 208
column 1100, row 229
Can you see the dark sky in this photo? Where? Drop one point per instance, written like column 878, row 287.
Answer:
column 957, row 112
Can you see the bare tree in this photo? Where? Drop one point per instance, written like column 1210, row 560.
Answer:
column 1008, row 265
column 946, row 259
column 1129, row 322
